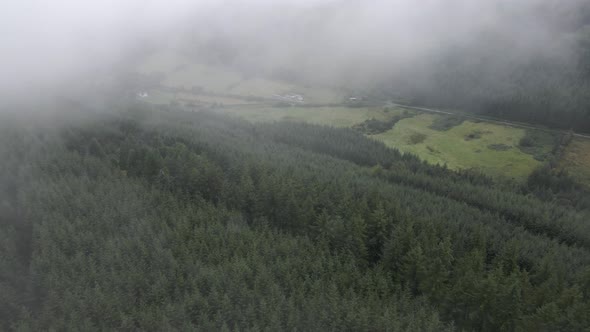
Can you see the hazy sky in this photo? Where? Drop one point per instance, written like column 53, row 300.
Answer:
column 45, row 42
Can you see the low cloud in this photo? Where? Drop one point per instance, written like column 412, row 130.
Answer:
column 331, row 41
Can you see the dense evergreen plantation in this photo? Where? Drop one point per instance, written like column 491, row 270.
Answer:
column 151, row 219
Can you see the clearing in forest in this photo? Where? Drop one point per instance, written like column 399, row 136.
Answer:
column 490, row 148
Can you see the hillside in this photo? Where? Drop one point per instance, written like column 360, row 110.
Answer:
column 159, row 220
column 459, row 142
column 317, row 165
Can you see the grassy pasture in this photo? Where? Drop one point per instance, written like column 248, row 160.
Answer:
column 576, row 160
column 333, row 116
column 469, row 145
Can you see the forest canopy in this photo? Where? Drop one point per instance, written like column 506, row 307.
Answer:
column 163, row 219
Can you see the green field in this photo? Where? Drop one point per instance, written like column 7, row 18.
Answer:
column 333, row 116
column 576, row 160
column 492, row 149
column 466, row 146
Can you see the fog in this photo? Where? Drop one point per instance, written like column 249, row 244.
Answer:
column 48, row 45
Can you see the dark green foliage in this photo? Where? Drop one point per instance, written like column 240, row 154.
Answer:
column 417, row 138
column 172, row 220
column 534, row 142
column 527, row 141
column 374, row 126
column 499, row 147
column 444, row 123
column 551, row 183
column 545, row 177
column 474, row 135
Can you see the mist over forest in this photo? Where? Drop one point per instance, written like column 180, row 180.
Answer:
column 312, row 165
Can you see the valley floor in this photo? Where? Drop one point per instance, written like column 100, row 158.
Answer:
column 490, row 146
